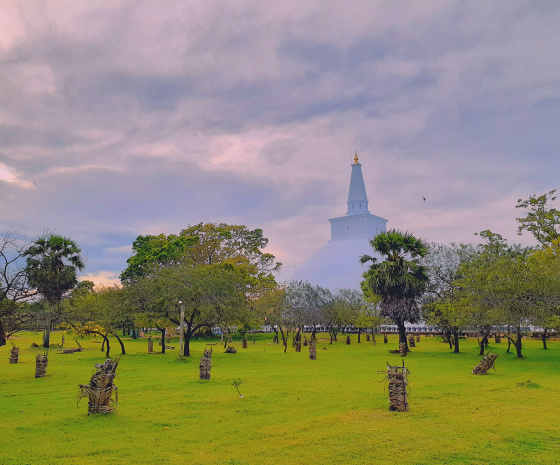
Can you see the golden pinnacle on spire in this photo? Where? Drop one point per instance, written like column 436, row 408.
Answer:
column 356, row 159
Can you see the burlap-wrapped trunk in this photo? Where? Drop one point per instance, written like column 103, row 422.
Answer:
column 41, row 362
column 14, row 355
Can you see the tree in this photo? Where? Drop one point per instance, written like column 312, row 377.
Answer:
column 513, row 294
column 542, row 220
column 277, row 310
column 101, row 312
column 306, row 303
column 500, row 287
column 52, row 265
column 201, row 244
column 152, row 252
column 14, row 287
column 442, row 305
column 368, row 315
column 400, row 279
column 146, row 299
column 343, row 309
column 545, row 264
column 213, row 295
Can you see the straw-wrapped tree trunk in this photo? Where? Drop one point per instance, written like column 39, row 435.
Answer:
column 41, row 362
column 205, row 365
column 14, row 355
column 313, row 349
column 100, row 389
column 397, row 378
column 485, row 364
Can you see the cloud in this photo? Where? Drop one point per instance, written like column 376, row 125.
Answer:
column 9, row 175
column 102, row 278
column 136, row 118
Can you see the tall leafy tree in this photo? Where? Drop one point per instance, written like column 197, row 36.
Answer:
column 442, row 305
column 52, row 263
column 368, row 316
column 342, row 310
column 100, row 311
column 400, row 279
column 213, row 295
column 275, row 309
column 166, row 263
column 498, row 286
column 306, row 304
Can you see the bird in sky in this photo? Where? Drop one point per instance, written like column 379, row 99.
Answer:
column 424, row 198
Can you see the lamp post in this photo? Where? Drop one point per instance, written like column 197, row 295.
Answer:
column 181, row 326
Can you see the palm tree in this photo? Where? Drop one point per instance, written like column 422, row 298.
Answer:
column 52, row 264
column 399, row 279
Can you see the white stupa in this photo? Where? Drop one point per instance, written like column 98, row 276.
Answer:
column 337, row 264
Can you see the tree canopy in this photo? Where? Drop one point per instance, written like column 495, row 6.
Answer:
column 201, row 244
column 542, row 220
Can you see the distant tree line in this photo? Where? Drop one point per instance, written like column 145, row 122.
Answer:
column 218, row 276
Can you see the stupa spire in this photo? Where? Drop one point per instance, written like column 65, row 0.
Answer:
column 357, row 197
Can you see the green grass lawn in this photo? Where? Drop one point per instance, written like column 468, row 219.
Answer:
column 294, row 410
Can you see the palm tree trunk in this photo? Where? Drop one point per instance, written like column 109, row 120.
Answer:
column 402, row 333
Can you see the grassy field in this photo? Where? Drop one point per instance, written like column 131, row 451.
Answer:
column 294, row 410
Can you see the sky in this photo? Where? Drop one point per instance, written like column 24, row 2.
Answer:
column 126, row 118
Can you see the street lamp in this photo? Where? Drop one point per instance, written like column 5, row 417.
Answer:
column 181, row 326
